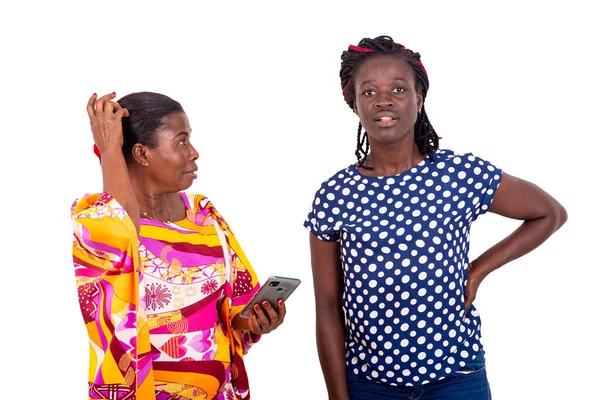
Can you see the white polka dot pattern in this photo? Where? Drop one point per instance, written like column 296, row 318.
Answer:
column 404, row 243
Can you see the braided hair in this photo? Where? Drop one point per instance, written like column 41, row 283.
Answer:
column 425, row 137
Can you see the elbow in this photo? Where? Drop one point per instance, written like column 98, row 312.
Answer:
column 559, row 215
column 563, row 216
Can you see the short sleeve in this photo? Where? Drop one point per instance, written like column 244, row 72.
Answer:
column 319, row 220
column 106, row 261
column 486, row 179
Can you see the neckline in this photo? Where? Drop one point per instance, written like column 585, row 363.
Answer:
column 412, row 169
column 186, row 204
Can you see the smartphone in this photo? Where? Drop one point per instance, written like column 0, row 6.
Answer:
column 274, row 289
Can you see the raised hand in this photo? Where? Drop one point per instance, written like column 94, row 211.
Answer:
column 106, row 122
column 107, row 128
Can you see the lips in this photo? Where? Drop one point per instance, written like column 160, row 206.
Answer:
column 385, row 116
column 192, row 171
column 385, row 119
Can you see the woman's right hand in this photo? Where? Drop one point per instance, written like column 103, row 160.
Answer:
column 105, row 121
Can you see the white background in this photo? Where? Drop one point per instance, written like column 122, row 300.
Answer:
column 514, row 84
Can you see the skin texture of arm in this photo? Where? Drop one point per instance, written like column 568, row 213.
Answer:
column 328, row 286
column 116, row 182
column 541, row 214
column 107, row 129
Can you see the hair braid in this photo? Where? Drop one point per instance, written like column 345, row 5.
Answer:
column 362, row 148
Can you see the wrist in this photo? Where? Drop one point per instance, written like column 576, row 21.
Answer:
column 110, row 149
column 477, row 269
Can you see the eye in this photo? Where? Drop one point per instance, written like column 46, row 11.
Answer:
column 369, row 92
column 398, row 90
column 182, row 142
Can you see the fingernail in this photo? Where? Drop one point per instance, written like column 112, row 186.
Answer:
column 266, row 304
column 281, row 302
column 257, row 307
column 113, row 93
column 94, row 94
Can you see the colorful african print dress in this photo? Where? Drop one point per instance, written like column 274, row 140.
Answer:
column 158, row 309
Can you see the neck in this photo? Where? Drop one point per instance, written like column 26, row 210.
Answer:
column 392, row 159
column 152, row 203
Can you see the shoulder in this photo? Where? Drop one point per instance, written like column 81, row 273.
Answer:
column 195, row 201
column 198, row 203
column 204, row 209
column 103, row 214
column 97, row 205
column 338, row 179
column 453, row 161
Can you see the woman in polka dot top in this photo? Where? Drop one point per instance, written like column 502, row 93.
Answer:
column 390, row 239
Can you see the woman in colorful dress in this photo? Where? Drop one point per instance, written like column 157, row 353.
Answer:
column 160, row 276
column 393, row 279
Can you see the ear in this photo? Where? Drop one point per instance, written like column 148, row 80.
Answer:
column 354, row 108
column 141, row 154
column 419, row 101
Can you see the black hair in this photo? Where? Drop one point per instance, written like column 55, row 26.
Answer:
column 146, row 113
column 425, row 137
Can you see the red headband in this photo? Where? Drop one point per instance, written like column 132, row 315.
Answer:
column 359, row 49
column 365, row 50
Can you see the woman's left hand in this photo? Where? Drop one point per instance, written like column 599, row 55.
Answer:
column 266, row 319
column 474, row 279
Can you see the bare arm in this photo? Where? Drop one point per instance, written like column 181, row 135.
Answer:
column 116, row 182
column 105, row 120
column 541, row 214
column 328, row 286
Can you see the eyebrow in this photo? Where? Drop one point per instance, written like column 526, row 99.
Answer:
column 393, row 79
column 181, row 133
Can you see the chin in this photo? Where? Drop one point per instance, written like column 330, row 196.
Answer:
column 186, row 183
column 388, row 137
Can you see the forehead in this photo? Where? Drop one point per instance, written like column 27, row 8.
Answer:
column 383, row 67
column 177, row 122
column 172, row 125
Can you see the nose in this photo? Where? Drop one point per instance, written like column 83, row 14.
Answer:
column 194, row 153
column 384, row 101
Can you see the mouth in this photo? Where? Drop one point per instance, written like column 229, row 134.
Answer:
column 192, row 172
column 386, row 121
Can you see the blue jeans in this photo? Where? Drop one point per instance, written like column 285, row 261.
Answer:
column 472, row 385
